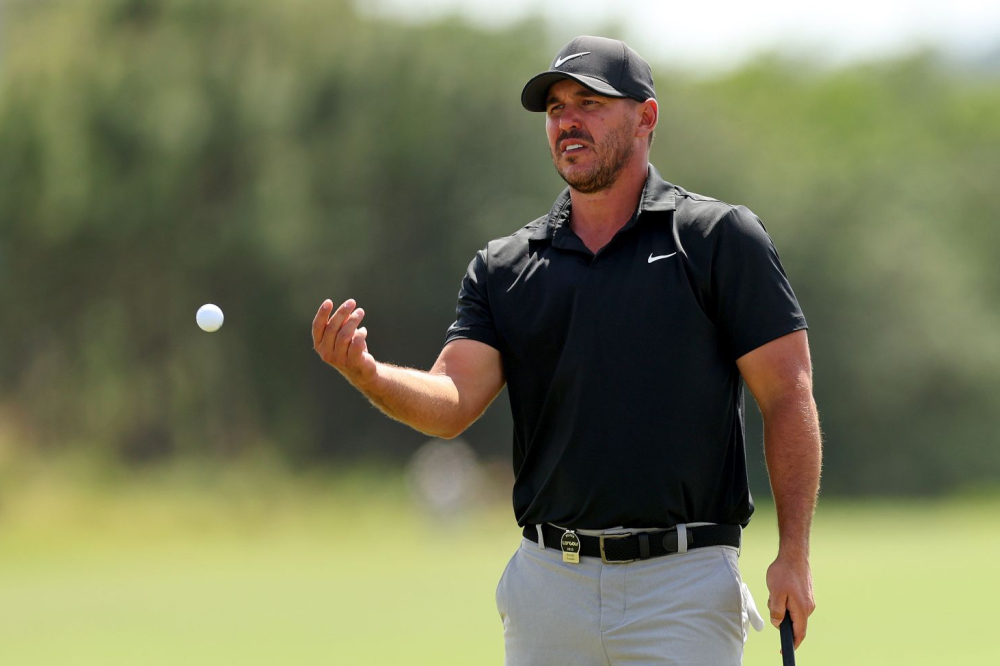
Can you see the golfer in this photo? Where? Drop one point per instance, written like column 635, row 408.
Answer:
column 624, row 323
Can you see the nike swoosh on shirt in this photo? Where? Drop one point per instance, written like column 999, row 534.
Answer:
column 560, row 61
column 662, row 256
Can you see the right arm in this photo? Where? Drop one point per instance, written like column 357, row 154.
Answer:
column 442, row 402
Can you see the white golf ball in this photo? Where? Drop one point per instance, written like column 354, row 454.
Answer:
column 209, row 318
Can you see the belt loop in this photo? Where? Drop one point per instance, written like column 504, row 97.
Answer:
column 682, row 538
column 643, row 546
column 541, row 537
column 739, row 549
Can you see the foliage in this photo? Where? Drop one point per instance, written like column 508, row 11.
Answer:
column 264, row 155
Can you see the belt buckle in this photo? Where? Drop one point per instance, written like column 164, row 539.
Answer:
column 603, row 537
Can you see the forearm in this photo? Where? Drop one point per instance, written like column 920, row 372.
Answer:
column 464, row 380
column 793, row 451
column 424, row 401
column 780, row 376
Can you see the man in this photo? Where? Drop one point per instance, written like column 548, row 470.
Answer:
column 624, row 323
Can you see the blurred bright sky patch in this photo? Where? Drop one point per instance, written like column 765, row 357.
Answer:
column 715, row 35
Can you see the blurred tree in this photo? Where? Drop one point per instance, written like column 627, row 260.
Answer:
column 159, row 154
column 873, row 181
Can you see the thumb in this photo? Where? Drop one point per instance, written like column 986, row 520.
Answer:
column 777, row 609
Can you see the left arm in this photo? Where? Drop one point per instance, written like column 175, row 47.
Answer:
column 779, row 374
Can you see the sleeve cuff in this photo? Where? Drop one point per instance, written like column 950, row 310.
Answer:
column 767, row 335
column 487, row 337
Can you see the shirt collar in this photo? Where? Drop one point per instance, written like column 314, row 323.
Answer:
column 657, row 196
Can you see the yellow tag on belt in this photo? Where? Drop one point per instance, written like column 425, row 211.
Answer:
column 570, row 546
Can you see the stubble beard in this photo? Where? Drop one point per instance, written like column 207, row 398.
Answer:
column 612, row 156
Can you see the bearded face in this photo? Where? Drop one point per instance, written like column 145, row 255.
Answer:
column 592, row 137
column 597, row 164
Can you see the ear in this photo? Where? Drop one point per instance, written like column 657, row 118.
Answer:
column 649, row 115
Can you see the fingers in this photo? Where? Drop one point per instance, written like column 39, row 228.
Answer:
column 800, row 619
column 327, row 324
column 790, row 584
column 345, row 336
column 341, row 342
column 776, row 606
column 337, row 320
column 319, row 321
column 356, row 352
column 798, row 612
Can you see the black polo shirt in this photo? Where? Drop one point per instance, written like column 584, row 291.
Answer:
column 621, row 365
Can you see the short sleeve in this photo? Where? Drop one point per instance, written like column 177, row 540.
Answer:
column 753, row 301
column 473, row 316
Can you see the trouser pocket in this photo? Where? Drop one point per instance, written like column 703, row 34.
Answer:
column 499, row 595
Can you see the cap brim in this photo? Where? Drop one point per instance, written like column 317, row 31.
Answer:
column 536, row 90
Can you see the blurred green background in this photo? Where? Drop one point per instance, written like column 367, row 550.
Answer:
column 168, row 496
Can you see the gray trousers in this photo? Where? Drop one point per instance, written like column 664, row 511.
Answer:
column 689, row 609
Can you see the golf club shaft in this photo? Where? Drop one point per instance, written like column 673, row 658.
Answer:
column 787, row 641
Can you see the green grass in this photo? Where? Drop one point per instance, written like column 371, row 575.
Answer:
column 246, row 570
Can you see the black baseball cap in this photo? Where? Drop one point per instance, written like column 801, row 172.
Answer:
column 606, row 66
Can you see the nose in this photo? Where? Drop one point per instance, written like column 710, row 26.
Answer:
column 569, row 119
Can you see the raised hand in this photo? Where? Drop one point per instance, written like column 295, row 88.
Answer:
column 340, row 342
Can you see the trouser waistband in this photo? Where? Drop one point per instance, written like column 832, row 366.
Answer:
column 622, row 547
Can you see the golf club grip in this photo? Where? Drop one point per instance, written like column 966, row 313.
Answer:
column 787, row 641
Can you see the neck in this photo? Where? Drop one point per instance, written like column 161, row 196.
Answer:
column 596, row 217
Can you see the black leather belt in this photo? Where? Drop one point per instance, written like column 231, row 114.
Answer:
column 619, row 548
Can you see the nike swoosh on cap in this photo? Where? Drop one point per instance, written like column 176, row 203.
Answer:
column 560, row 61
column 662, row 256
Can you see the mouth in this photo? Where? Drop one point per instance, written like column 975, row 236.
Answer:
column 571, row 147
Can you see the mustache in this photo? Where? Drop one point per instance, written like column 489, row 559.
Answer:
column 575, row 134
